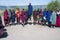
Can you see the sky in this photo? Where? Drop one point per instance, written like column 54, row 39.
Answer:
column 23, row 2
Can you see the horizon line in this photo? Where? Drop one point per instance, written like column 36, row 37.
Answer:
column 16, row 5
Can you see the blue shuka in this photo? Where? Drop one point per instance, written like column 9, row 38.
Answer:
column 48, row 16
column 13, row 17
column 30, row 9
column 38, row 12
column 44, row 14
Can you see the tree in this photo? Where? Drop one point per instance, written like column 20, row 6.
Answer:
column 53, row 5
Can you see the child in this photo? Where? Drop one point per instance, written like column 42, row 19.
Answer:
column 23, row 16
column 18, row 13
column 34, row 16
column 53, row 19
column 5, row 17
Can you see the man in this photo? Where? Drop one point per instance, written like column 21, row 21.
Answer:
column 3, row 32
column 9, row 16
column 44, row 16
column 48, row 17
column 18, row 13
column 30, row 10
column 5, row 17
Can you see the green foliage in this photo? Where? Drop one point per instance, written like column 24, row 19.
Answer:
column 26, row 8
column 54, row 5
column 1, row 14
column 15, row 7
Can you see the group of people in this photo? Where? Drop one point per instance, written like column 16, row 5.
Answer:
column 10, row 16
column 49, row 17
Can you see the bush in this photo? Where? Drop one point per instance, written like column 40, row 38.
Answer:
column 53, row 5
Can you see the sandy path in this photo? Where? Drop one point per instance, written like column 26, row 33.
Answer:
column 32, row 32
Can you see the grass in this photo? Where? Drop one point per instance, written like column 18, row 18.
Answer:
column 1, row 14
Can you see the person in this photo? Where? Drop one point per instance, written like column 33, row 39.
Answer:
column 5, row 17
column 0, row 20
column 2, row 30
column 38, row 14
column 48, row 18
column 18, row 13
column 26, row 17
column 34, row 16
column 13, row 17
column 1, row 25
column 53, row 19
column 9, row 16
column 23, row 17
column 30, row 10
column 44, row 16
column 58, row 19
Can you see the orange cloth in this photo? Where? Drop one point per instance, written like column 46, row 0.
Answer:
column 18, row 13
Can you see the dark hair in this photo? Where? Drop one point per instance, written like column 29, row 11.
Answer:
column 30, row 3
column 23, row 8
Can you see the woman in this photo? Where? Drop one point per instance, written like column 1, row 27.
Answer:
column 5, row 17
column 58, row 19
column 53, row 19
column 23, row 16
column 18, row 13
